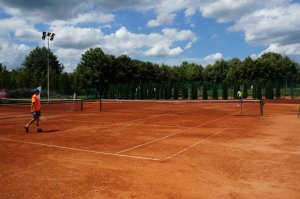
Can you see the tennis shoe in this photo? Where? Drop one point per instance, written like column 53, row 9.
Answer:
column 26, row 129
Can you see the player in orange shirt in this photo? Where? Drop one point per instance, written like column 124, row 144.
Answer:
column 35, row 110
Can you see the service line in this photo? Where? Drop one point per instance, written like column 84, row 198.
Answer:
column 81, row 150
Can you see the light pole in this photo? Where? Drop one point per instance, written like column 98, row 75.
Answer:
column 49, row 36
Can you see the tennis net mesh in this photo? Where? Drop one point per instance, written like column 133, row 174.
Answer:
column 47, row 105
column 245, row 107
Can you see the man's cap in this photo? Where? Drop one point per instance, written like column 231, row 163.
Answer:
column 36, row 90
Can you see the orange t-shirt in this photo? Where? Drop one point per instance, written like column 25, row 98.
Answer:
column 36, row 104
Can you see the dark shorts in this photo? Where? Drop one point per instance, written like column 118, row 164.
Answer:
column 36, row 114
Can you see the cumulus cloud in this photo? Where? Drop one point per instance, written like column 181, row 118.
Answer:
column 71, row 42
column 276, row 25
column 210, row 59
column 92, row 17
column 76, row 37
column 160, row 50
column 11, row 54
column 166, row 12
column 156, row 44
column 166, row 18
column 12, row 51
column 52, row 10
column 70, row 57
column 231, row 10
column 292, row 50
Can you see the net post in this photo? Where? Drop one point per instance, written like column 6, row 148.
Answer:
column 261, row 107
column 100, row 98
column 81, row 104
column 241, row 103
column 299, row 112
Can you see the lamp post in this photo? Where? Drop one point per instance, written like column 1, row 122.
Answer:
column 49, row 36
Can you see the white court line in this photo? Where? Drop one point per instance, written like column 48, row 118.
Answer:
column 124, row 122
column 142, row 118
column 181, row 151
column 94, row 122
column 81, row 150
column 162, row 138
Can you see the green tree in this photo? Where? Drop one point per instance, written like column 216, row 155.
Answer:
column 216, row 72
column 190, row 71
column 34, row 69
column 95, row 69
column 274, row 66
column 234, row 69
column 248, row 69
column 4, row 77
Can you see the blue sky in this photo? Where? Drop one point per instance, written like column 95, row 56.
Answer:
column 160, row 31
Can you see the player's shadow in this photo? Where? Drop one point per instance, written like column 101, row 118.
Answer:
column 50, row 131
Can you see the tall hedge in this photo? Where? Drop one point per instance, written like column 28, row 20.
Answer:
column 224, row 91
column 277, row 94
column 175, row 91
column 194, row 94
column 185, row 92
column 245, row 91
column 215, row 91
column 258, row 91
column 204, row 92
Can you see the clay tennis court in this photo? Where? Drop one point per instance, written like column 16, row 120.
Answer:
column 151, row 150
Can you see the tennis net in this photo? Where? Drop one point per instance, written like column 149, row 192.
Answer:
column 47, row 105
column 244, row 107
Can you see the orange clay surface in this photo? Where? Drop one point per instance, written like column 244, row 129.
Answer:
column 213, row 152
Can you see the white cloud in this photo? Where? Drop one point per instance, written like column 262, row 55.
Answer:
column 161, row 19
column 70, row 42
column 254, row 56
column 162, row 50
column 11, row 54
column 276, row 25
column 69, row 57
column 123, row 41
column 292, row 50
column 9, row 25
column 166, row 12
column 190, row 11
column 278, row 28
column 210, row 59
column 76, row 37
column 93, row 17
column 231, row 10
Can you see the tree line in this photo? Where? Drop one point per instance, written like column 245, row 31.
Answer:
column 98, row 70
